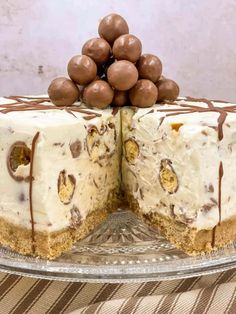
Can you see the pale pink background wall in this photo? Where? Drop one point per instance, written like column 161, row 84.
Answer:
column 196, row 40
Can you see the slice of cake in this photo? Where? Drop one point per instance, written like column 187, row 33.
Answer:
column 59, row 173
column 178, row 170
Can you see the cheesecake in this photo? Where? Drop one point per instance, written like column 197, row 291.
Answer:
column 65, row 169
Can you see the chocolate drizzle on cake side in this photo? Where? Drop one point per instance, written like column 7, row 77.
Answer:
column 31, row 178
column 220, row 176
column 221, row 173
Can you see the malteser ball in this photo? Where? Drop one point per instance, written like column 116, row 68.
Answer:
column 143, row 94
column 122, row 75
column 127, row 47
column 167, row 90
column 82, row 69
column 98, row 49
column 149, row 67
column 63, row 92
column 120, row 98
column 98, row 94
column 112, row 26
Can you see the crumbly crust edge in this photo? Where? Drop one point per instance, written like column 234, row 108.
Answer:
column 48, row 245
column 190, row 240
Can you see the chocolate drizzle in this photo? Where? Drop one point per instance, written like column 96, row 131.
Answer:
column 115, row 110
column 35, row 138
column 221, row 173
column 37, row 104
column 150, row 111
column 220, row 176
column 18, row 98
column 186, row 109
column 90, row 117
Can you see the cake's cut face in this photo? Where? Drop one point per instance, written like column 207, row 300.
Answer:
column 59, row 173
column 179, row 168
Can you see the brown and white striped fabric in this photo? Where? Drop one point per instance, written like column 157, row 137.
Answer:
column 207, row 294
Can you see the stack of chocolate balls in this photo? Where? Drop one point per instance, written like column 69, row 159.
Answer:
column 113, row 71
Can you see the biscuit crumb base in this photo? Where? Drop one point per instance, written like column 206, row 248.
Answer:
column 53, row 244
column 190, row 240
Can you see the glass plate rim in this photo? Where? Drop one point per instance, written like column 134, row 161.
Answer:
column 54, row 270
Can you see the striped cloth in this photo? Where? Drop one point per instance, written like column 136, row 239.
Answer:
column 207, row 294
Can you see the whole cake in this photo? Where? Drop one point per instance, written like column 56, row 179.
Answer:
column 113, row 133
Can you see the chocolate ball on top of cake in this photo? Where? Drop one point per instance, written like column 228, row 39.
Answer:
column 115, row 123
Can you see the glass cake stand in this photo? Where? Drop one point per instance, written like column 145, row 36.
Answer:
column 122, row 249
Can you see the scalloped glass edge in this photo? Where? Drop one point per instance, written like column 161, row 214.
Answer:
column 117, row 274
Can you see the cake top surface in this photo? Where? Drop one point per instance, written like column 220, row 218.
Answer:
column 39, row 111
column 191, row 111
